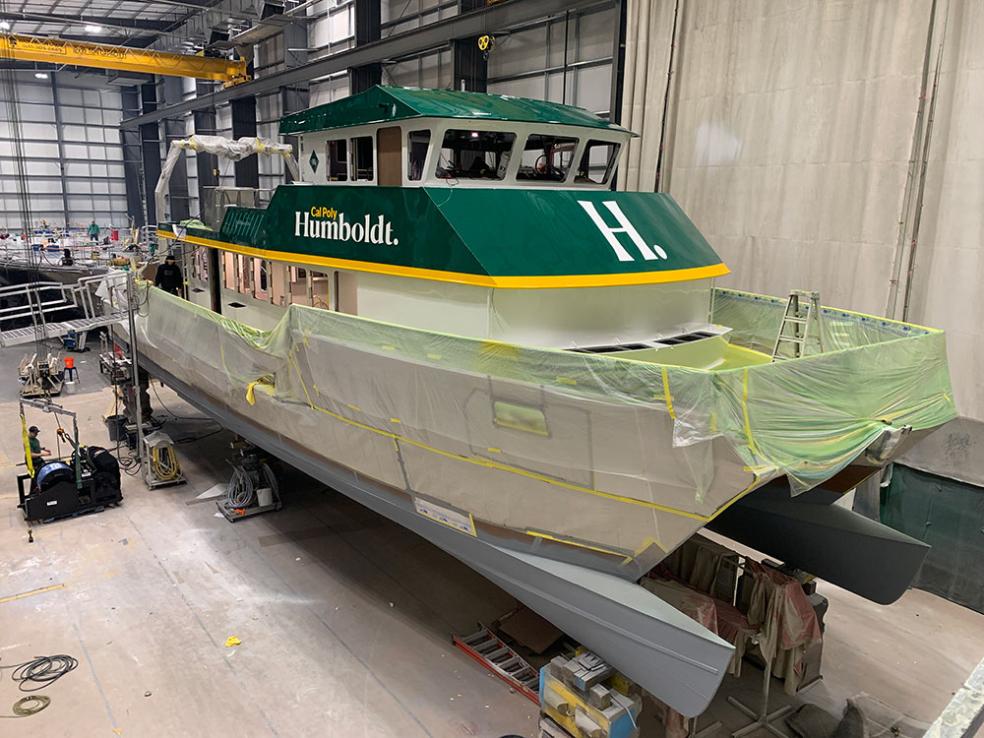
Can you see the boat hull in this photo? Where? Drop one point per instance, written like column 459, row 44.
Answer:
column 652, row 643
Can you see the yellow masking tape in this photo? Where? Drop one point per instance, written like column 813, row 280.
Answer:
column 666, row 393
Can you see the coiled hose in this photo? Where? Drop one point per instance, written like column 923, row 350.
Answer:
column 164, row 464
column 242, row 490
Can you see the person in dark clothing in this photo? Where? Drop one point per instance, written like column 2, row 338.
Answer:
column 38, row 452
column 169, row 277
column 67, row 259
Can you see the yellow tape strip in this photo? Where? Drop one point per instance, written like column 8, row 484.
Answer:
column 744, row 410
column 491, row 464
column 31, row 593
column 28, row 457
column 666, row 393
column 480, row 280
column 588, row 546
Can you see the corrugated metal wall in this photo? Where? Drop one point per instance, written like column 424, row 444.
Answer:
column 92, row 182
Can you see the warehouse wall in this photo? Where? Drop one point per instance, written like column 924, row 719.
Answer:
column 92, row 182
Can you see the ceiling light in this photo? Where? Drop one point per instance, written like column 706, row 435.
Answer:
column 93, row 28
column 4, row 26
column 41, row 75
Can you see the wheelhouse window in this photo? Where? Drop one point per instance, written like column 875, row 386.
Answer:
column 546, row 158
column 362, row 158
column 417, row 145
column 597, row 163
column 338, row 160
column 475, row 154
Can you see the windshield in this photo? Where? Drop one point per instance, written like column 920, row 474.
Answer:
column 475, row 154
column 546, row 158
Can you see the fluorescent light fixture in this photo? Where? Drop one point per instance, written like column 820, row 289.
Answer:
column 41, row 75
column 4, row 26
column 93, row 28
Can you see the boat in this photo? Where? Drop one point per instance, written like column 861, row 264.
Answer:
column 42, row 256
column 454, row 318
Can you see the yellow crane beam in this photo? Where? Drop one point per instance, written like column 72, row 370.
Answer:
column 123, row 58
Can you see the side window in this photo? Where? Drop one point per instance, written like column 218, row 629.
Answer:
column 417, row 144
column 475, row 154
column 362, row 154
column 338, row 160
column 546, row 158
column 598, row 162
column 520, row 417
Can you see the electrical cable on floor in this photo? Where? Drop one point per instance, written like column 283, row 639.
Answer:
column 27, row 706
column 42, row 671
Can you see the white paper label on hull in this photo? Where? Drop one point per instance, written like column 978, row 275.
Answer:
column 450, row 517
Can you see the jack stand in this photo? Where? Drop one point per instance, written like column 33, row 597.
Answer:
column 253, row 488
column 762, row 719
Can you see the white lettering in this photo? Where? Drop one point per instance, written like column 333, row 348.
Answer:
column 336, row 228
column 624, row 226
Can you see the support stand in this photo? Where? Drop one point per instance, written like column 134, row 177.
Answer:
column 709, row 730
column 763, row 718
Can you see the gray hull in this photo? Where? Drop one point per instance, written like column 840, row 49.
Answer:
column 652, row 643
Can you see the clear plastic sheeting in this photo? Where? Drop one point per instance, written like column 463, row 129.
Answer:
column 623, row 459
column 227, row 148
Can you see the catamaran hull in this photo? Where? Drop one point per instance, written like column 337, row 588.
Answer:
column 648, row 640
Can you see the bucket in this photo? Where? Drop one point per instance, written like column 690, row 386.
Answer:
column 264, row 496
column 116, row 425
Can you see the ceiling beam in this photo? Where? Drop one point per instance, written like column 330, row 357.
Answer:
column 129, row 24
column 431, row 36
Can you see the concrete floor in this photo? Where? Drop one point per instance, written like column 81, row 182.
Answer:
column 345, row 618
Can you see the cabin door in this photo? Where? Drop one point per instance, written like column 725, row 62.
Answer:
column 389, row 154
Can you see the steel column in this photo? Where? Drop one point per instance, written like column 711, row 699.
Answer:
column 150, row 146
column 368, row 18
column 174, row 130
column 60, row 138
column 244, row 124
column 207, row 164
column 294, row 98
column 470, row 66
column 132, row 158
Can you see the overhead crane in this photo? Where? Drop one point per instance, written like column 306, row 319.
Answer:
column 23, row 47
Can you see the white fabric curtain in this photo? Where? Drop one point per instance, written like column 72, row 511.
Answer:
column 795, row 138
column 948, row 269
column 648, row 44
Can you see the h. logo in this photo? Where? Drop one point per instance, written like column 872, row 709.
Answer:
column 649, row 253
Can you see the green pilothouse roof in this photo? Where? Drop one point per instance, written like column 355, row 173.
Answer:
column 384, row 104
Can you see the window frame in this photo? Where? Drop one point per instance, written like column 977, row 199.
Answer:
column 437, row 144
column 575, row 157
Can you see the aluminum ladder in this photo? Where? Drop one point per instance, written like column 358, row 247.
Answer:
column 800, row 327
column 45, row 304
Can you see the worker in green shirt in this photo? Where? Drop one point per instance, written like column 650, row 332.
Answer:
column 37, row 450
column 93, row 231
